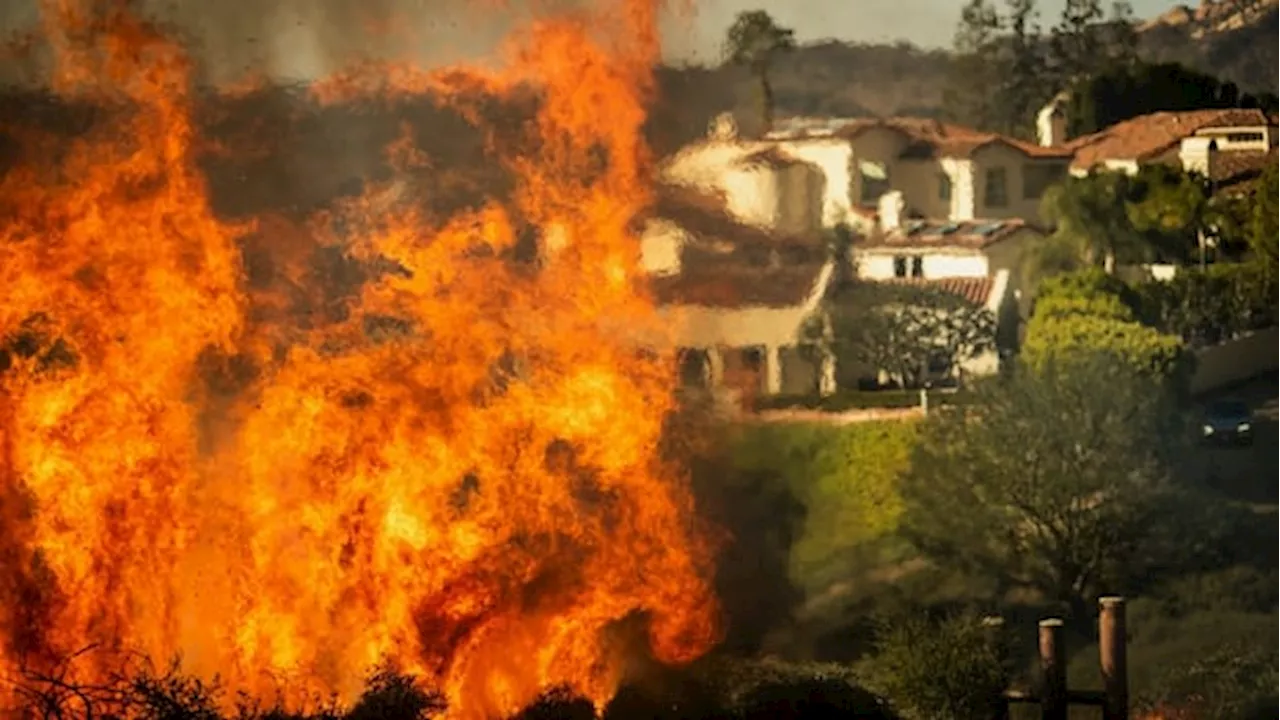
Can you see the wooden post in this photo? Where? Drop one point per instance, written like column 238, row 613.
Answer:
column 993, row 626
column 1053, row 670
column 1113, row 658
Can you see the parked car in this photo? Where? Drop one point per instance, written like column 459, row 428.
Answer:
column 1228, row 422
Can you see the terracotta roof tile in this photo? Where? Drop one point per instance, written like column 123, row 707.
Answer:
column 976, row 290
column 705, row 216
column 1142, row 137
column 934, row 138
column 734, row 286
column 1237, row 169
column 975, row 234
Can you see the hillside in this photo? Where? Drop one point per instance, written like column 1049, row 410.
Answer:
column 833, row 78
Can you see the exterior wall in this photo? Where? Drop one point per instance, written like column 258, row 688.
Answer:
column 877, row 264
column 879, row 145
column 1009, row 254
column 1235, row 360
column 703, row 327
column 703, row 163
column 918, row 181
column 751, row 194
column 801, row 189
column 1013, row 161
column 964, row 194
column 660, row 245
column 1221, row 135
column 834, row 158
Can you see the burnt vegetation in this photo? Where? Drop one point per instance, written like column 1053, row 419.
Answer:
column 708, row 691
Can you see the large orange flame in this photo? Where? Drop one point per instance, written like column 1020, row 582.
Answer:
column 475, row 496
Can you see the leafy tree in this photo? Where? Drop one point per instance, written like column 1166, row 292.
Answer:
column 976, row 69
column 1261, row 227
column 1075, row 44
column 1108, row 217
column 903, row 329
column 1022, row 91
column 754, row 40
column 1207, row 306
column 1090, row 216
column 1053, row 482
column 948, row 668
column 1105, row 98
column 1079, row 315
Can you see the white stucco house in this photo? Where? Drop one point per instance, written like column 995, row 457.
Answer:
column 1230, row 147
column 736, row 296
column 942, row 171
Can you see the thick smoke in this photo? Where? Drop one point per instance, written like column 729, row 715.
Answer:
column 300, row 40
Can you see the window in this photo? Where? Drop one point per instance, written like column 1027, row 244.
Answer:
column 875, row 181
column 1037, row 177
column 694, row 367
column 917, row 266
column 1245, row 137
column 944, row 187
column 900, row 266
column 995, row 190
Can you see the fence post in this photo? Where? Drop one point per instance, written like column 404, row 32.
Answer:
column 1053, row 670
column 993, row 627
column 1113, row 658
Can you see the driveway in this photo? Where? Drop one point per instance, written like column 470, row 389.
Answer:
column 1247, row 473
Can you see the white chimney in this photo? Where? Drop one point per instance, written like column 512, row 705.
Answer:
column 891, row 207
column 1197, row 155
column 1051, row 124
column 723, row 127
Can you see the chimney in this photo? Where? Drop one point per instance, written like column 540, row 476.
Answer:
column 1198, row 154
column 723, row 127
column 1051, row 123
column 891, row 207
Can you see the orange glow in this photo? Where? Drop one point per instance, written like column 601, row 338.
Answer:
column 476, row 498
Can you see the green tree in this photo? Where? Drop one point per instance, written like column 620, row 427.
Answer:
column 1022, row 91
column 1052, row 482
column 950, row 668
column 1090, row 218
column 976, row 69
column 1125, row 91
column 1079, row 315
column 754, row 40
column 1075, row 43
column 1261, row 226
column 904, row 329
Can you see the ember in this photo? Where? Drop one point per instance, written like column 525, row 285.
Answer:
column 458, row 477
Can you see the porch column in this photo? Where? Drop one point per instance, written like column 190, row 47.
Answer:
column 715, row 367
column 826, row 374
column 772, row 370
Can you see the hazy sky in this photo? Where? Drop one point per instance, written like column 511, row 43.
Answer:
column 924, row 22
column 305, row 38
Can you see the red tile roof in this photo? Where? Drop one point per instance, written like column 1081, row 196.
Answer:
column 729, row 264
column 976, row 290
column 735, row 286
column 705, row 216
column 1235, row 171
column 1148, row 135
column 974, row 234
column 934, row 138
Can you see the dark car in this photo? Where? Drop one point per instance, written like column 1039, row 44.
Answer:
column 1228, row 422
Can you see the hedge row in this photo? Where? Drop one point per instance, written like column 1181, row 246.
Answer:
column 844, row 400
column 846, row 479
